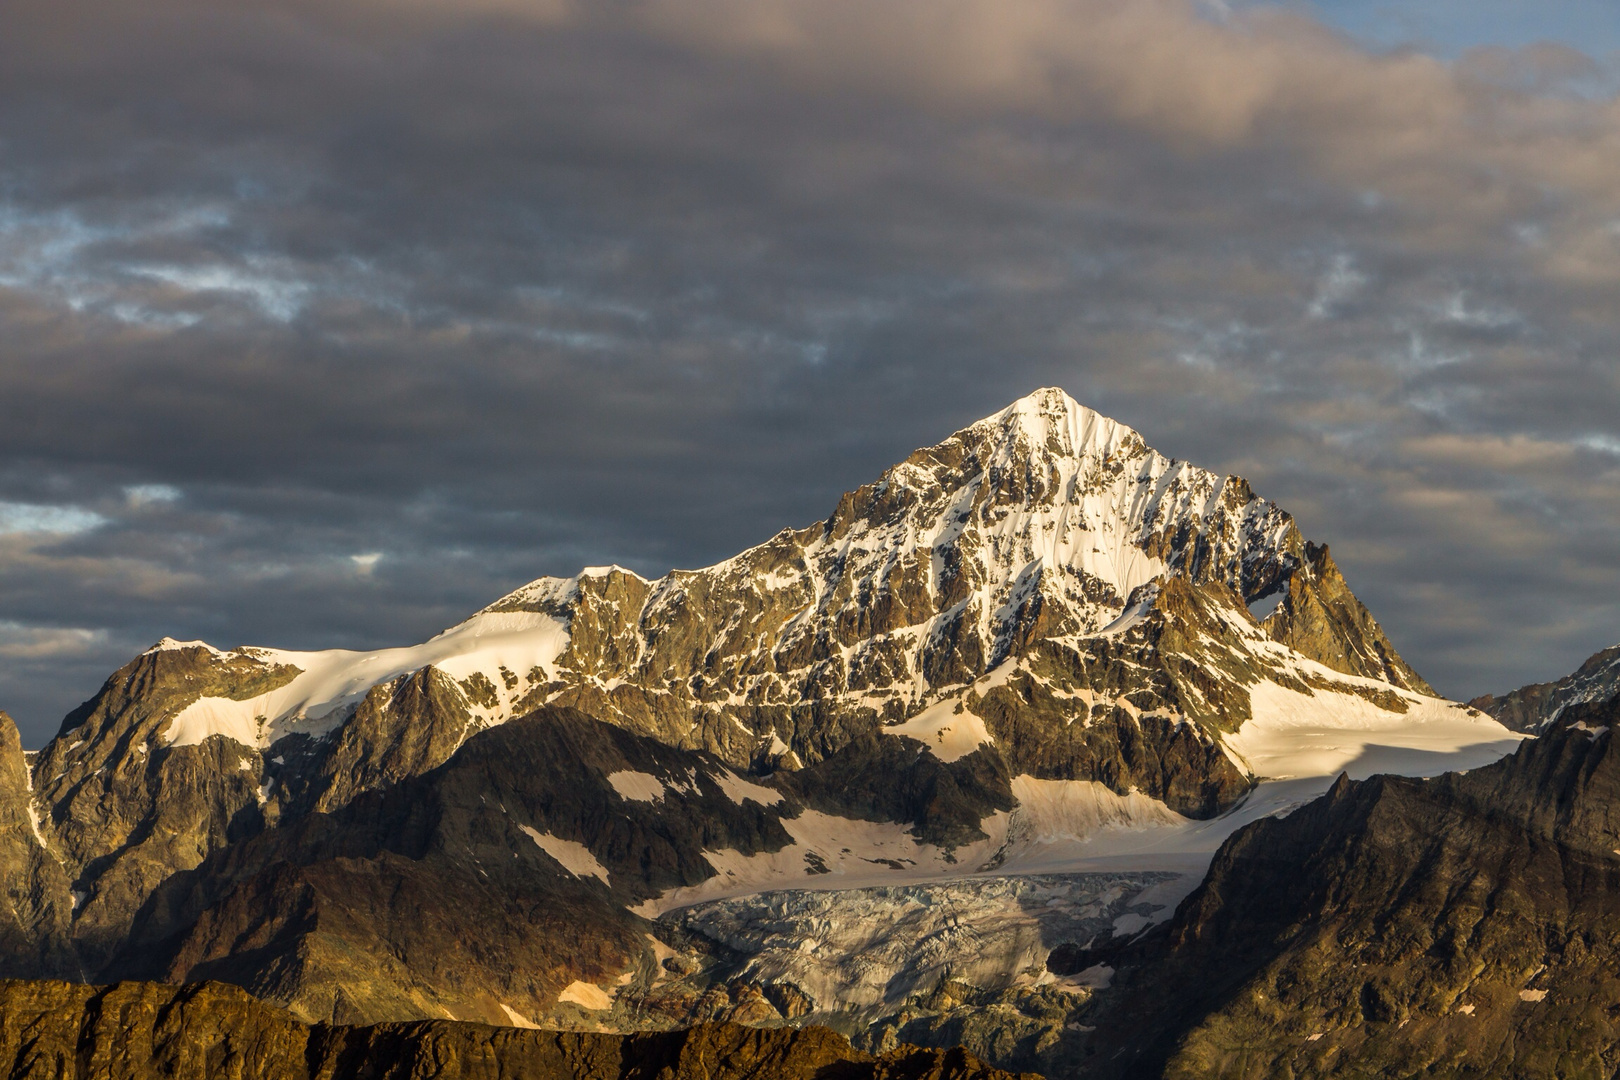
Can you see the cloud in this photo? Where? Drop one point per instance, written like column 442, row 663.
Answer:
column 17, row 517
column 18, row 642
column 139, row 495
column 503, row 289
column 1341, row 282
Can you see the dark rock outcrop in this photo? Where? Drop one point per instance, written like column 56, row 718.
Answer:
column 120, row 811
column 1321, row 618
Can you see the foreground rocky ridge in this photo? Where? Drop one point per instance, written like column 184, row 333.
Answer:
column 505, row 885
column 1459, row 926
column 142, row 1031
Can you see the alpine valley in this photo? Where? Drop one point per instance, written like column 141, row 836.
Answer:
column 1008, row 753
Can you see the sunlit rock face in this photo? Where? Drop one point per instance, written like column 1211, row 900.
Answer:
column 147, row 1031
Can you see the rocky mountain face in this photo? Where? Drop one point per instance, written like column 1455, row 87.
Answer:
column 1531, row 708
column 1458, row 926
column 1034, row 630
column 143, row 1031
column 35, row 929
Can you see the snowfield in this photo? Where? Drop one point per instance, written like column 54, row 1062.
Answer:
column 333, row 680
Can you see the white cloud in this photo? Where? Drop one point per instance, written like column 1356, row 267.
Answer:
column 38, row 518
column 1603, row 444
column 1341, row 282
column 274, row 294
column 146, row 494
column 1457, row 310
column 20, row 642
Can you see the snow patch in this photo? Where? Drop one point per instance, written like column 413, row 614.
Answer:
column 1132, row 923
column 517, row 1018
column 575, row 857
column 1327, row 732
column 586, row 996
column 1053, row 810
column 739, row 790
column 1096, row 977
column 317, row 700
column 167, row 644
column 609, row 571
column 33, row 823
column 948, row 733
column 637, row 786
column 775, row 582
column 1130, row 617
column 829, row 853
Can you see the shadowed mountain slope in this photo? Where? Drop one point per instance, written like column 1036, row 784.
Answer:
column 1459, row 926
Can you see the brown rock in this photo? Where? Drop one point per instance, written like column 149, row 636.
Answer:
column 137, row 1031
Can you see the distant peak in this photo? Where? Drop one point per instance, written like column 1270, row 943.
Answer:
column 169, row 643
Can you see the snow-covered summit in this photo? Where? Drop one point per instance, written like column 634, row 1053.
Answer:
column 1051, row 420
column 1043, row 576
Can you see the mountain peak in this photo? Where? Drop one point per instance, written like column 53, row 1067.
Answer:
column 1018, row 543
column 1050, row 423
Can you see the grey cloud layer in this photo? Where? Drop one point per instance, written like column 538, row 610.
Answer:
column 340, row 319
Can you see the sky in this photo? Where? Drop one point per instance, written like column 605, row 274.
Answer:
column 326, row 323
column 1448, row 28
